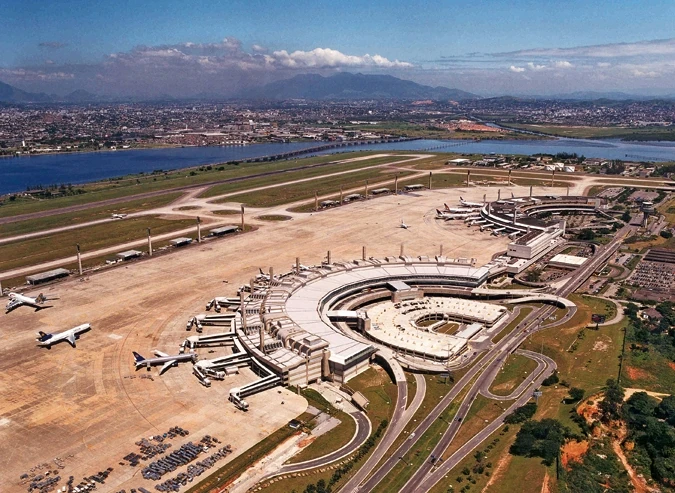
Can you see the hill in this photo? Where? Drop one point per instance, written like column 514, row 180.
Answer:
column 11, row 94
column 352, row 86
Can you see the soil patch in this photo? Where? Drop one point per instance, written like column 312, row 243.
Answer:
column 573, row 452
column 600, row 346
column 637, row 373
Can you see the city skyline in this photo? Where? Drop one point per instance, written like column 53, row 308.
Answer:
column 526, row 47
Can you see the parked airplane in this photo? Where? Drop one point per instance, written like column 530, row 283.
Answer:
column 70, row 335
column 466, row 203
column 119, row 216
column 404, row 225
column 16, row 300
column 162, row 359
column 457, row 210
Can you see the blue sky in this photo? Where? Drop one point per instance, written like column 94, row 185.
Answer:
column 490, row 47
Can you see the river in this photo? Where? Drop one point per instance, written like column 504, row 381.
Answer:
column 20, row 173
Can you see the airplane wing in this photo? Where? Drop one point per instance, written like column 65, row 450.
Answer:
column 161, row 354
column 12, row 305
column 167, row 365
column 71, row 338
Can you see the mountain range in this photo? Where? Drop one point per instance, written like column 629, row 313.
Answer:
column 341, row 86
column 345, row 85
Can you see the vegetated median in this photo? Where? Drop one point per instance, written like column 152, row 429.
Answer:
column 34, row 251
column 300, row 172
column 285, row 194
column 80, row 217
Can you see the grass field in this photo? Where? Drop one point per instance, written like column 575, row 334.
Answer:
column 274, row 217
column 301, row 191
column 482, row 412
column 331, row 441
column 648, row 370
column 93, row 214
column 596, row 355
column 496, row 470
column 514, row 370
column 301, row 174
column 58, row 245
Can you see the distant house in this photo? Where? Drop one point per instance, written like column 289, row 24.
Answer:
column 652, row 314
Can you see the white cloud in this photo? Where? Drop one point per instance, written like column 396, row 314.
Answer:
column 562, row 64
column 533, row 66
column 329, row 58
column 517, row 70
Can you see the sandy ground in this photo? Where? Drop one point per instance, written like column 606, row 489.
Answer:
column 82, row 402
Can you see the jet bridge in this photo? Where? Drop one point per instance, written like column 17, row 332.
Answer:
column 219, row 302
column 211, row 340
column 219, row 319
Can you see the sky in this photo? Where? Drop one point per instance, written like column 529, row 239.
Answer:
column 187, row 47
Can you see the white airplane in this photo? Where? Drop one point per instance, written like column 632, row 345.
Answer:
column 162, row 359
column 119, row 216
column 469, row 204
column 70, row 335
column 457, row 210
column 16, row 300
column 404, row 225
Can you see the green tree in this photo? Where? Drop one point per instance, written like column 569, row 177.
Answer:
column 576, row 394
column 587, row 235
column 610, row 405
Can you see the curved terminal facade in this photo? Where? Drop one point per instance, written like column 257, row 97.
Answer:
column 301, row 324
column 287, row 322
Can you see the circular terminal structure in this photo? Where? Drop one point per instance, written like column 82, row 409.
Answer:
column 327, row 321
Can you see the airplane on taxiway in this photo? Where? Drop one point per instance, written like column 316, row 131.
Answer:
column 119, row 216
column 16, row 300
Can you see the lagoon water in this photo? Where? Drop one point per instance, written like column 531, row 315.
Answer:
column 20, row 173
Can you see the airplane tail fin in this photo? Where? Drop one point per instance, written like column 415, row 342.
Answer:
column 446, row 206
column 512, row 196
column 40, row 298
column 42, row 336
column 261, row 272
column 137, row 357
